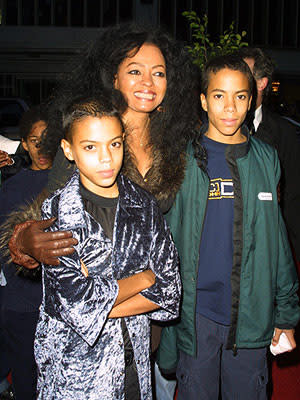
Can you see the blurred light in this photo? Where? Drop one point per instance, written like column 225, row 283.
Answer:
column 275, row 86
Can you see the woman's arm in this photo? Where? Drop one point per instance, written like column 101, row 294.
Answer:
column 30, row 245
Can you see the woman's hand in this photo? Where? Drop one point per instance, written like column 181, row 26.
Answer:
column 30, row 245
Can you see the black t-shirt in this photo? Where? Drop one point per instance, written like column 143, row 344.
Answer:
column 102, row 209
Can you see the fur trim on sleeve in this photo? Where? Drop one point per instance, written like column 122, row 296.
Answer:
column 26, row 212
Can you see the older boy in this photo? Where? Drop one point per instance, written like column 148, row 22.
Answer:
column 243, row 283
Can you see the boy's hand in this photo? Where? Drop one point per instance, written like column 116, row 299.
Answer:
column 289, row 334
column 149, row 276
column 84, row 269
column 30, row 245
column 5, row 159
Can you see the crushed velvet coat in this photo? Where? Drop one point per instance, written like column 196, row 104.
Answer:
column 79, row 351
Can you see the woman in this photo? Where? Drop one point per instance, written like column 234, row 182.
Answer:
column 154, row 74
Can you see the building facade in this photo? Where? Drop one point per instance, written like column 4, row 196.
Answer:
column 39, row 37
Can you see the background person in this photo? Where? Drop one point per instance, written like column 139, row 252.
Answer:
column 22, row 293
column 277, row 131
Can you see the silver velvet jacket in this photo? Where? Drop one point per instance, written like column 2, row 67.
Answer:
column 78, row 349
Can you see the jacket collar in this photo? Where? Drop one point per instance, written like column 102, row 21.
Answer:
column 71, row 212
column 235, row 151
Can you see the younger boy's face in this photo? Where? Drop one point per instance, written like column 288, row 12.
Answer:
column 227, row 102
column 97, row 149
column 32, row 145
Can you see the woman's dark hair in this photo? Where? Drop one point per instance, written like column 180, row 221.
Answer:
column 88, row 107
column 94, row 72
column 230, row 61
column 29, row 118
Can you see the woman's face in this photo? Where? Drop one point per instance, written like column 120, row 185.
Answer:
column 142, row 79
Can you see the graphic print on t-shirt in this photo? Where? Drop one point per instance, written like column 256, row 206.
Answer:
column 220, row 189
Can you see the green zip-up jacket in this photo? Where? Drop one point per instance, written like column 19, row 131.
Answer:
column 264, row 279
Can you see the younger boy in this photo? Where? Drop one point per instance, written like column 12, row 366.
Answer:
column 242, row 283
column 92, row 339
column 21, row 296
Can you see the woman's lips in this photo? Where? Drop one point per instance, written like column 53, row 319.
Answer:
column 145, row 95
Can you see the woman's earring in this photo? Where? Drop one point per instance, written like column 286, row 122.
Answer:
column 160, row 109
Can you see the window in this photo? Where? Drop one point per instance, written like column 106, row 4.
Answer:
column 28, row 12
column 44, row 12
column 11, row 12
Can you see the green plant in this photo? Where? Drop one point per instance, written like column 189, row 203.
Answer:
column 202, row 48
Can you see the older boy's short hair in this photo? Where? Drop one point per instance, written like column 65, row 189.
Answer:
column 88, row 107
column 230, row 61
column 29, row 118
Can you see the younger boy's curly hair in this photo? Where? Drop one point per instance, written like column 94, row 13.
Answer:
column 172, row 124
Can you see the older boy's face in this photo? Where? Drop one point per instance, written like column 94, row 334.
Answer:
column 97, row 149
column 227, row 102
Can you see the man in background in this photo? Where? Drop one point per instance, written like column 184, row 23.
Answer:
column 277, row 131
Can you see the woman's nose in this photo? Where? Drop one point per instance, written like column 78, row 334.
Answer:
column 147, row 79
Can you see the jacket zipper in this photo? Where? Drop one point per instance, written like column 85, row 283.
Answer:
column 204, row 215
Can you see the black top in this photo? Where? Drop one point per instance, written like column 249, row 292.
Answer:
column 103, row 210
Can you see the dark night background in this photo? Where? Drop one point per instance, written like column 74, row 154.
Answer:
column 38, row 37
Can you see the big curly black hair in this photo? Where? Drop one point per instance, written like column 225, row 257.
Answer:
column 94, row 72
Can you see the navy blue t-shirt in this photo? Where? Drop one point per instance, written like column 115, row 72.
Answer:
column 216, row 247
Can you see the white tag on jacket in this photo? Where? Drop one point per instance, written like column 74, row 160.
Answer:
column 265, row 196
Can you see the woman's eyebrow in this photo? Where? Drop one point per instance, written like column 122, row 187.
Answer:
column 142, row 65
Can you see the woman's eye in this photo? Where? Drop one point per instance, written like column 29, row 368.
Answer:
column 89, row 147
column 241, row 97
column 160, row 74
column 218, row 96
column 134, row 72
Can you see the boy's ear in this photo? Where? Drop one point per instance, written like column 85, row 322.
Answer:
column 250, row 101
column 65, row 145
column 24, row 144
column 203, row 101
column 261, row 84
